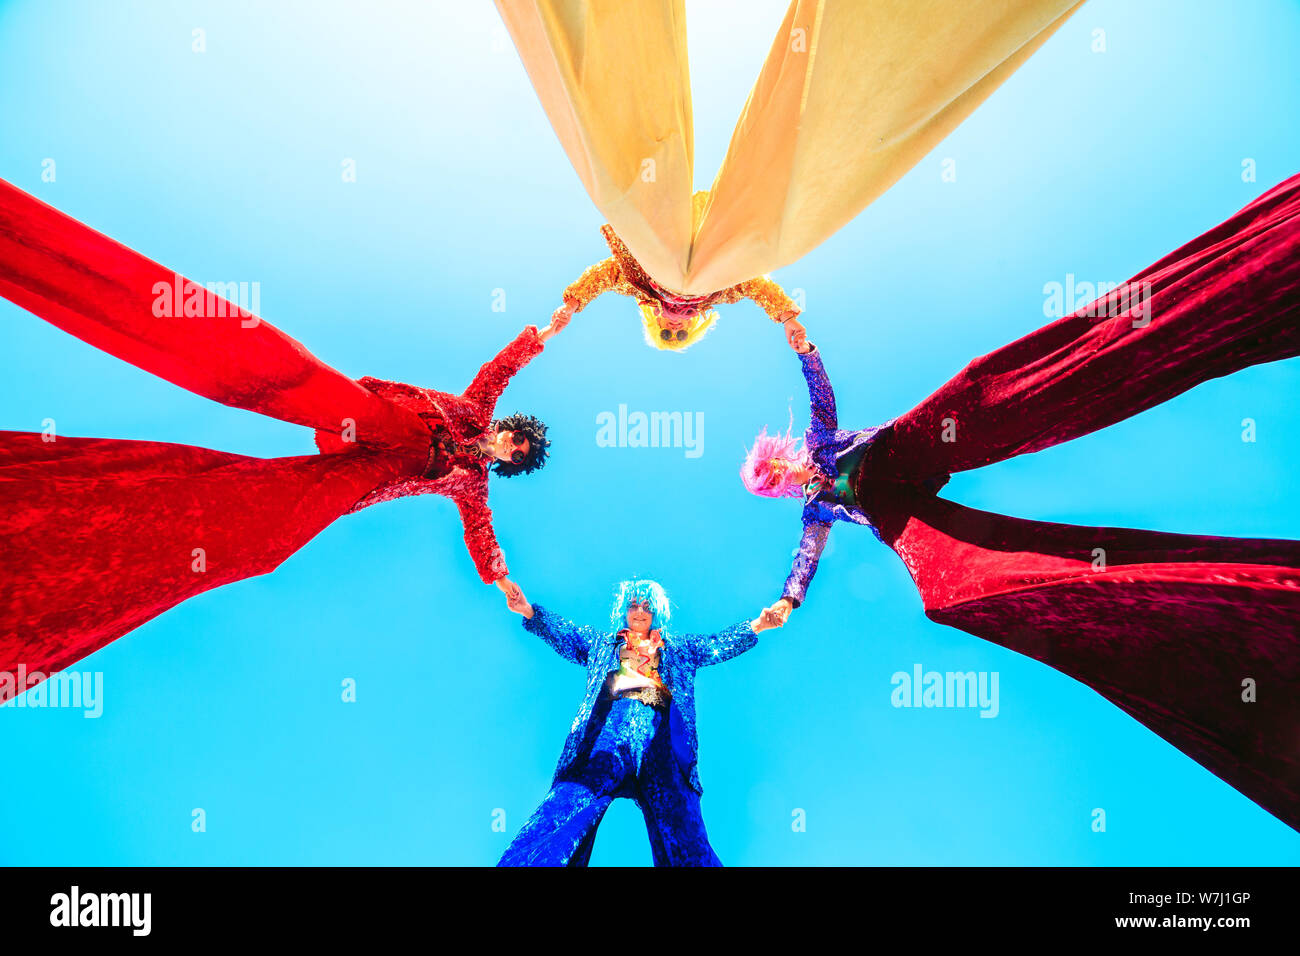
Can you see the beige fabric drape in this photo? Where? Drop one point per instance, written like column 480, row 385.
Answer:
column 853, row 94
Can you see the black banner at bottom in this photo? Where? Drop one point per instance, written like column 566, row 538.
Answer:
column 335, row 905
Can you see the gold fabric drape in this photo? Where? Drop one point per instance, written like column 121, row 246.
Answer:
column 853, row 94
column 614, row 80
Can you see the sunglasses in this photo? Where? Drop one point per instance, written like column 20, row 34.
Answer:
column 668, row 335
column 517, row 457
column 643, row 605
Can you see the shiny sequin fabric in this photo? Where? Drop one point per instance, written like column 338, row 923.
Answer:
column 826, row 444
column 454, row 468
column 589, row 776
column 621, row 273
column 679, row 659
column 630, row 756
column 654, row 696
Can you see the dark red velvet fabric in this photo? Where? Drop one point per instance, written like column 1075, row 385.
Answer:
column 1166, row 626
column 1222, row 302
column 97, row 536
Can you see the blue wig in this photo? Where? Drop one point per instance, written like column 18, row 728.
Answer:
column 641, row 590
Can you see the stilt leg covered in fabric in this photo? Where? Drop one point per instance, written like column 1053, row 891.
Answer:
column 102, row 535
column 1197, row 637
column 98, row 536
column 631, row 756
column 1172, row 628
column 1225, row 301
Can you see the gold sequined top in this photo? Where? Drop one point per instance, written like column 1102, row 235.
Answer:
column 621, row 273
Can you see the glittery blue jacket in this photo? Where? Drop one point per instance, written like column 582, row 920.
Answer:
column 826, row 444
column 679, row 658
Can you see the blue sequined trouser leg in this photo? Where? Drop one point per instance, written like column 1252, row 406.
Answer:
column 672, row 809
column 563, row 829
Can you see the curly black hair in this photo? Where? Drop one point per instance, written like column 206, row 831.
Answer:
column 535, row 429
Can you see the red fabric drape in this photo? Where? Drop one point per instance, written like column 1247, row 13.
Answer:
column 1166, row 626
column 98, row 536
column 110, row 296
column 101, row 535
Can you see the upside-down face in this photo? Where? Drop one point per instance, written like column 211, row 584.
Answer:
column 776, row 466
column 777, row 469
column 510, row 446
column 674, row 326
column 785, row 473
column 674, row 322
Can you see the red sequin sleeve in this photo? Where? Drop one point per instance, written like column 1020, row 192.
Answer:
column 493, row 377
column 481, row 540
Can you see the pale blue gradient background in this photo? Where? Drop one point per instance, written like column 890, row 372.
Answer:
column 226, row 166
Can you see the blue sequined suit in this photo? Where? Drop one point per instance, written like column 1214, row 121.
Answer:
column 624, row 748
column 826, row 444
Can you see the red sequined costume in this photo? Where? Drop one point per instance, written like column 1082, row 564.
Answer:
column 98, row 536
column 455, row 468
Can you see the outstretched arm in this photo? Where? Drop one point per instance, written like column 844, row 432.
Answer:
column 570, row 641
column 493, row 377
column 768, row 296
column 821, row 397
column 709, row 649
column 481, row 540
column 594, row 281
column 811, row 545
column 771, row 298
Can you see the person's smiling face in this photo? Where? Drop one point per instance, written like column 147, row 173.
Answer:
column 639, row 615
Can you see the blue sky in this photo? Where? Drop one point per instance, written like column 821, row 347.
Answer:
column 225, row 165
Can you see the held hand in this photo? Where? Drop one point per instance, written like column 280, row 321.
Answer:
column 796, row 335
column 559, row 319
column 515, row 599
column 774, row 616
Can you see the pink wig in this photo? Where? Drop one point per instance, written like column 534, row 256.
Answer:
column 756, row 472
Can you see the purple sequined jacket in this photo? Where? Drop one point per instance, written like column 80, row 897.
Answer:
column 679, row 658
column 826, row 444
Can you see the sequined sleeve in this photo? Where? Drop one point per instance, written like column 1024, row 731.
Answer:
column 768, row 296
column 597, row 279
column 811, row 545
column 493, row 377
column 481, row 540
column 571, row 642
column 715, row 648
column 821, row 397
